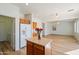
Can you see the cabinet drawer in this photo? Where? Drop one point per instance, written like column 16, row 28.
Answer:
column 38, row 51
column 29, row 48
column 39, row 47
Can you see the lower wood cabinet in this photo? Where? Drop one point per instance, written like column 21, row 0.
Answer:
column 29, row 48
column 35, row 49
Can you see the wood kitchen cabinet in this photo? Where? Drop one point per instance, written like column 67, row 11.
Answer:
column 29, row 48
column 39, row 47
column 24, row 21
column 35, row 49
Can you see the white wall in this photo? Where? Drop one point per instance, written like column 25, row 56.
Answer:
column 9, row 10
column 63, row 28
column 12, row 11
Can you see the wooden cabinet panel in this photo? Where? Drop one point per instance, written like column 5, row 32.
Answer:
column 34, row 25
column 38, row 53
column 38, row 50
column 30, row 52
column 29, row 43
column 38, row 47
column 29, row 48
column 24, row 21
column 35, row 49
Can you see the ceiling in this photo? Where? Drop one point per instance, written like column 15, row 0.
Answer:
column 51, row 11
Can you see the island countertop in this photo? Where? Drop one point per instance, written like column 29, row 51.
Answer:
column 42, row 41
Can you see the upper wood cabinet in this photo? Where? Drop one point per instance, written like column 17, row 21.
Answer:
column 34, row 25
column 24, row 21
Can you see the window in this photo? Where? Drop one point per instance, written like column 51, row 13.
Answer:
column 76, row 26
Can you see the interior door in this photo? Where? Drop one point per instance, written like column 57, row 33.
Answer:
column 2, row 32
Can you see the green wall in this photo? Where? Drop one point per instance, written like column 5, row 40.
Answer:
column 7, row 21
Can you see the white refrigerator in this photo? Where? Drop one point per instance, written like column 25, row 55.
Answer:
column 25, row 33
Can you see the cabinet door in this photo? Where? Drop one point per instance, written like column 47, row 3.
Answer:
column 25, row 21
column 29, row 48
column 39, row 50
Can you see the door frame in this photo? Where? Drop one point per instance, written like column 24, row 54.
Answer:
column 13, row 29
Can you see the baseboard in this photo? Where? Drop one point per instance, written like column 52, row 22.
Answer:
column 60, row 35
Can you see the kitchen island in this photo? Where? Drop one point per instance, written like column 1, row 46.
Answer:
column 39, row 47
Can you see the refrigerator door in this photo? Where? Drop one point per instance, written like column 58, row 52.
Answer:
column 26, row 33
column 22, row 35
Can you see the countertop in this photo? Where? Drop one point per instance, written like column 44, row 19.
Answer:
column 43, row 41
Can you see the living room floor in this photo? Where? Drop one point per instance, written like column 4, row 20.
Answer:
column 62, row 45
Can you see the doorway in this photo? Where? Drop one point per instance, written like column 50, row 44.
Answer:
column 7, row 37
